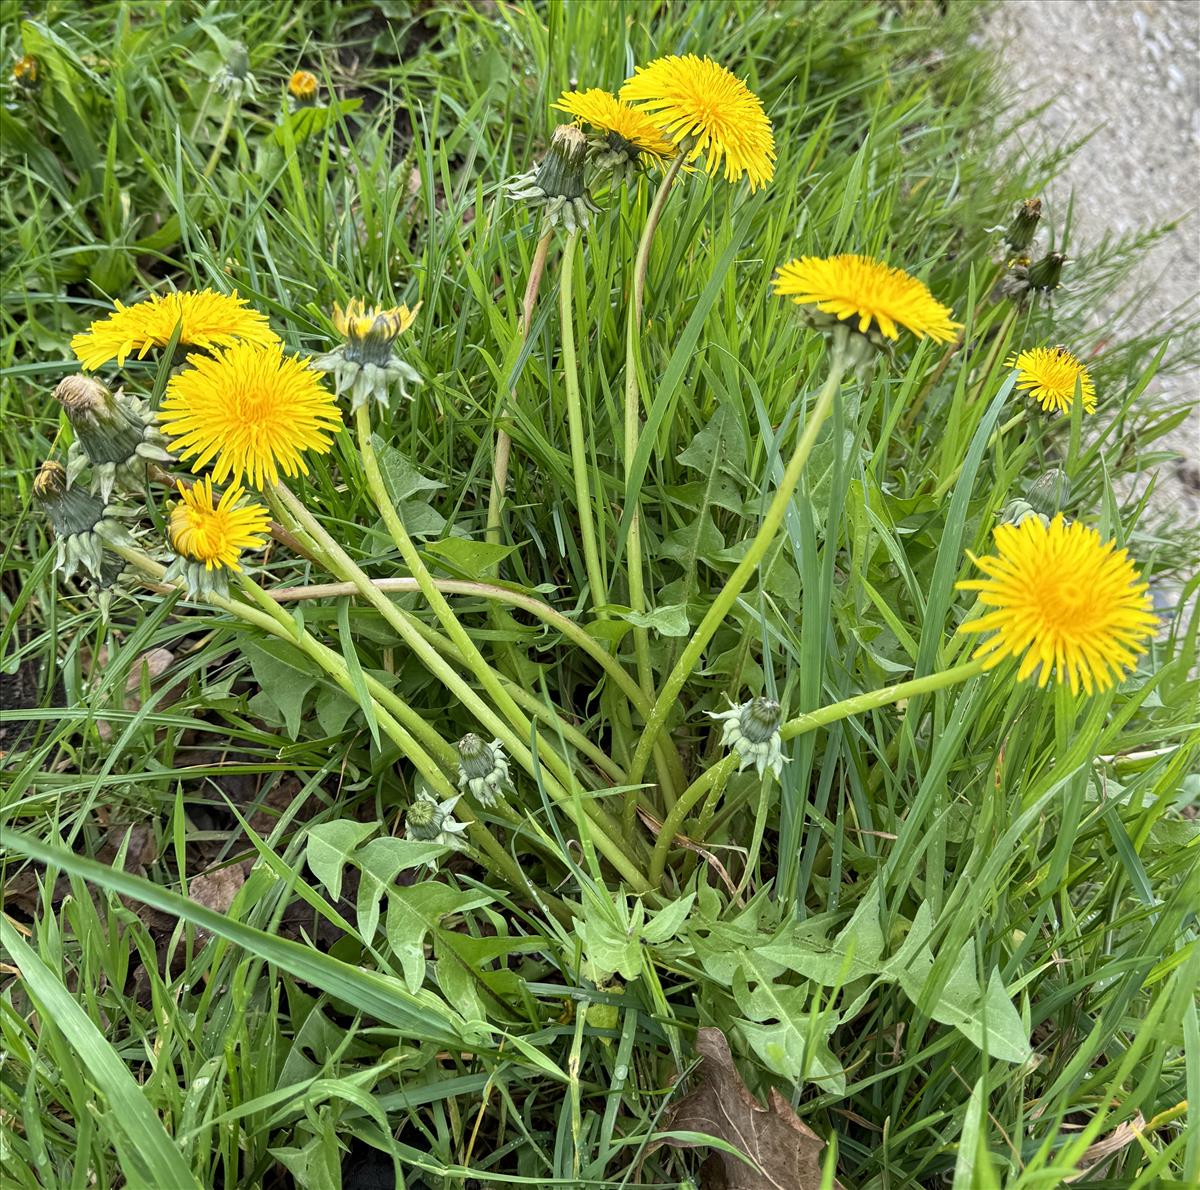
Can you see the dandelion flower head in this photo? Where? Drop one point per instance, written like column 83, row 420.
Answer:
column 1048, row 375
column 250, row 411
column 708, row 112
column 1062, row 601
column 624, row 127
column 216, row 533
column 206, row 319
column 859, row 287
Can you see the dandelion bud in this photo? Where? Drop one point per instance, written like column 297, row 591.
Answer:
column 1050, row 491
column 482, row 769
column 114, row 434
column 234, row 78
column 303, row 87
column 366, row 365
column 1021, row 231
column 429, row 821
column 81, row 522
column 557, row 185
column 1046, row 274
column 25, row 73
column 752, row 731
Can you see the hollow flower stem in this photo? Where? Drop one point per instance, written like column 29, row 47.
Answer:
column 736, row 583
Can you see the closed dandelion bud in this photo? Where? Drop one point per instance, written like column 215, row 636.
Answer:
column 482, row 769
column 1021, row 231
column 557, row 185
column 82, row 523
column 114, row 434
column 1046, row 274
column 1018, row 510
column 1050, row 491
column 303, row 87
column 751, row 730
column 366, row 365
column 234, row 78
column 429, row 821
column 25, row 73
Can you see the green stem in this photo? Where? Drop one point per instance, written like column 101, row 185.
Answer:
column 579, row 464
column 222, row 136
column 727, row 596
column 503, row 442
column 997, row 434
column 595, row 819
column 858, row 704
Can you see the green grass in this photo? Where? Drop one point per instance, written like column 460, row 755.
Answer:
column 964, row 947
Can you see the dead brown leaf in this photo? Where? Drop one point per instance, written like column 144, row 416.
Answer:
column 216, row 889
column 785, row 1152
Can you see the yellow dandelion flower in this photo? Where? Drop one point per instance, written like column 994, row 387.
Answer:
column 25, row 71
column 249, row 410
column 709, row 112
column 216, row 533
column 302, row 86
column 358, row 321
column 849, row 286
column 209, row 320
column 1065, row 603
column 1048, row 375
column 625, row 129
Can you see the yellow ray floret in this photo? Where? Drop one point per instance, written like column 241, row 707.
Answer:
column 709, row 113
column 608, row 114
column 216, row 534
column 1064, row 602
column 207, row 319
column 251, row 411
column 1048, row 375
column 868, row 290
column 358, row 320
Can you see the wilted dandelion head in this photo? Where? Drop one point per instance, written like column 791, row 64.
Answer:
column 206, row 319
column 1063, row 601
column 708, row 112
column 215, row 532
column 876, row 295
column 623, row 128
column 1049, row 375
column 250, row 411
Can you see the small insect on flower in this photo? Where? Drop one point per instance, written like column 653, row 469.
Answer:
column 366, row 365
column 858, row 289
column 1049, row 375
column 206, row 320
column 557, row 187
column 82, row 523
column 303, row 87
column 708, row 112
column 624, row 139
column 752, row 731
column 482, row 769
column 429, row 821
column 251, row 411
column 209, row 535
column 114, row 434
column 1066, row 603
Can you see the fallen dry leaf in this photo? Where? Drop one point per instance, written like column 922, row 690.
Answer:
column 785, row 1152
column 216, row 889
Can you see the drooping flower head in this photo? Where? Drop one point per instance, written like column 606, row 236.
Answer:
column 624, row 138
column 250, row 411
column 752, row 731
column 302, row 87
column 708, row 112
column 82, row 523
column 880, row 299
column 557, row 187
column 206, row 319
column 366, row 365
column 429, row 821
column 1066, row 603
column 115, row 434
column 1049, row 375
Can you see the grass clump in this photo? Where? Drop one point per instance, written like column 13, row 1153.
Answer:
column 592, row 739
